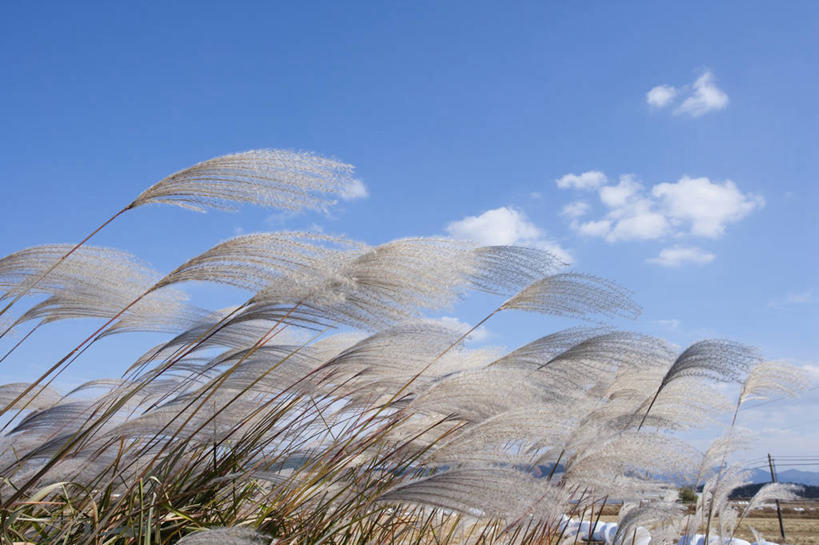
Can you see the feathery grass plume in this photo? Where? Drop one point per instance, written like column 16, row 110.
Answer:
column 771, row 492
column 764, row 497
column 772, row 378
column 236, row 535
column 276, row 178
column 625, row 464
column 254, row 261
column 540, row 352
column 574, row 295
column 484, row 492
column 601, row 355
column 212, row 332
column 46, row 398
column 395, row 281
column 378, row 287
column 505, row 270
column 714, row 456
column 715, row 360
column 634, row 517
column 477, row 394
column 715, row 494
column 514, row 436
column 386, row 361
column 94, row 282
column 688, row 402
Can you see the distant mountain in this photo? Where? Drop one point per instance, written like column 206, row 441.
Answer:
column 787, row 476
column 808, row 491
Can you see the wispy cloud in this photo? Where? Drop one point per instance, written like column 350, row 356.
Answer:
column 575, row 209
column 699, row 98
column 669, row 324
column 794, row 298
column 503, row 226
column 677, row 256
column 354, row 191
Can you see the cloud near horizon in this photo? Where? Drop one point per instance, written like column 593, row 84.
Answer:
column 505, row 226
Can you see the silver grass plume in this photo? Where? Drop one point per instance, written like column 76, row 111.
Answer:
column 632, row 458
column 276, row 178
column 716, row 491
column 254, row 261
column 43, row 399
column 688, row 402
column 574, row 295
column 771, row 378
column 716, row 360
column 208, row 334
column 236, row 535
column 505, row 270
column 650, row 514
column 504, row 438
column 385, row 361
column 599, row 355
column 378, row 286
column 765, row 497
column 477, row 394
column 540, row 352
column 397, row 280
column 94, row 282
column 484, row 492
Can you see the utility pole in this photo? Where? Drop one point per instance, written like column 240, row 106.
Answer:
column 778, row 509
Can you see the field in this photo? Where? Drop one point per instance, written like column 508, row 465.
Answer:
column 801, row 521
column 801, row 527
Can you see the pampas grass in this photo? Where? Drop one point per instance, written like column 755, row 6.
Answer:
column 325, row 406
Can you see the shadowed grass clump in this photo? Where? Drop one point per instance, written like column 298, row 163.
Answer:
column 326, row 407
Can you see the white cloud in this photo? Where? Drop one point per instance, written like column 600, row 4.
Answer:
column 705, row 207
column 504, row 226
column 639, row 224
column 354, row 190
column 682, row 255
column 694, row 207
column 661, row 96
column 599, row 228
column 615, row 196
column 706, row 97
column 479, row 335
column 631, row 215
column 575, row 209
column 591, row 179
column 701, row 97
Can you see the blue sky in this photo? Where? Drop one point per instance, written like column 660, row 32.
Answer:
column 671, row 147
